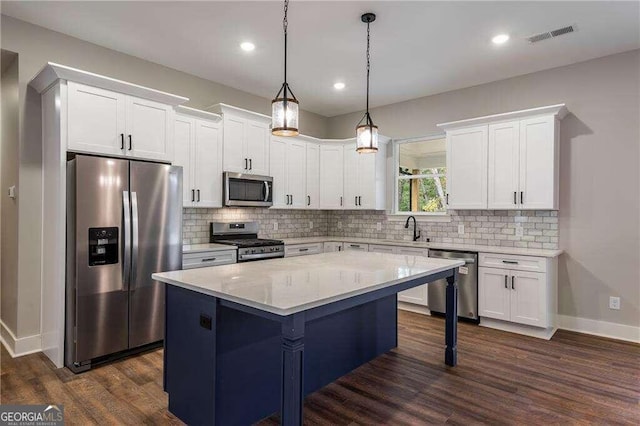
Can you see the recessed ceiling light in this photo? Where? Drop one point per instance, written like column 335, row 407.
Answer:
column 339, row 86
column 500, row 39
column 247, row 46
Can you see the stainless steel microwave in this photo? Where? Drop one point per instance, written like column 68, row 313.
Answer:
column 244, row 190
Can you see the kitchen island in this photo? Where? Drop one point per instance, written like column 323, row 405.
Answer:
column 243, row 341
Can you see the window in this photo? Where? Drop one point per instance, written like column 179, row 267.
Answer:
column 421, row 176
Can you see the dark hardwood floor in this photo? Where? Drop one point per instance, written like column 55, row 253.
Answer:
column 501, row 378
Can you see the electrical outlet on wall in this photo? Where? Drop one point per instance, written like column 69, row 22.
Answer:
column 614, row 303
column 461, row 229
column 275, row 226
column 519, row 230
column 379, row 226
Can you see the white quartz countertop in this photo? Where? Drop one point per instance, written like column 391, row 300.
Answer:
column 289, row 285
column 201, row 248
column 437, row 246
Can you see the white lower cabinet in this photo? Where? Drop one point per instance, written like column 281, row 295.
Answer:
column 517, row 295
column 291, row 250
column 331, row 246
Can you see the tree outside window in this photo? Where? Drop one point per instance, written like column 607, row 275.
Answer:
column 422, row 180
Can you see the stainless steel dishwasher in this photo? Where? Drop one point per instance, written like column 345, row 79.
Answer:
column 467, row 285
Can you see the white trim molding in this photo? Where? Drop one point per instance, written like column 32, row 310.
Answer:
column 610, row 330
column 559, row 110
column 19, row 346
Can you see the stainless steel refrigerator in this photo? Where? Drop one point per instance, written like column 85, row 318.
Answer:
column 124, row 222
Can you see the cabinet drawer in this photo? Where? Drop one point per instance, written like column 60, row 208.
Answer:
column 302, row 249
column 515, row 262
column 378, row 248
column 209, row 258
column 356, row 246
column 413, row 251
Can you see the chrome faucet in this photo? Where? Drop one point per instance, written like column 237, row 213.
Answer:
column 416, row 234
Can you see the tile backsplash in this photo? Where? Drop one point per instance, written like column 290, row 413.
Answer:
column 291, row 223
column 481, row 227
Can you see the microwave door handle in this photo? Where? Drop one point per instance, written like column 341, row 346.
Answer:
column 266, row 191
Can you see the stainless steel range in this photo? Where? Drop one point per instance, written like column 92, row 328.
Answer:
column 245, row 237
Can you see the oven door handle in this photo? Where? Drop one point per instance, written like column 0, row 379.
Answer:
column 260, row 256
column 266, row 191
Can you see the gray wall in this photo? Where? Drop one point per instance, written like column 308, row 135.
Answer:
column 36, row 46
column 9, row 177
column 599, row 158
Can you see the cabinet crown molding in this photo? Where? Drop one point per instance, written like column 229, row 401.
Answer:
column 181, row 109
column 559, row 110
column 53, row 72
column 244, row 113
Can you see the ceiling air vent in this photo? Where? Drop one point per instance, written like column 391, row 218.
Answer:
column 550, row 34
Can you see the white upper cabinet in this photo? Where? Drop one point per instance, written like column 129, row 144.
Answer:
column 505, row 161
column 149, row 129
column 364, row 178
column 467, row 168
column 96, row 120
column 246, row 140
column 313, row 176
column 331, row 176
column 289, row 172
column 539, row 160
column 198, row 149
column 111, row 123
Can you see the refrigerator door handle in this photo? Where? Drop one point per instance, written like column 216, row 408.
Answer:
column 134, row 236
column 126, row 236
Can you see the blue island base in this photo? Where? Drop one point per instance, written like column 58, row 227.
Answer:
column 225, row 364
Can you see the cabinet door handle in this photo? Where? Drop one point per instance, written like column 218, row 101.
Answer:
column 198, row 191
column 521, row 197
column 121, row 140
column 356, row 200
column 209, row 259
column 193, row 195
column 515, row 197
column 506, row 279
column 341, row 201
column 130, row 142
column 513, row 282
column 250, row 164
column 510, row 262
column 246, row 164
column 308, row 200
column 447, row 199
column 291, row 199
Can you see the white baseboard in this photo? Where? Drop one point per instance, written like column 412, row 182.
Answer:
column 414, row 308
column 540, row 333
column 19, row 346
column 611, row 330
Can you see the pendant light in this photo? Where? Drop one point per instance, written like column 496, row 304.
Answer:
column 284, row 108
column 366, row 131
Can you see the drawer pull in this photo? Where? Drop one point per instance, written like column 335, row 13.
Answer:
column 354, row 245
column 510, row 262
column 303, row 249
column 208, row 259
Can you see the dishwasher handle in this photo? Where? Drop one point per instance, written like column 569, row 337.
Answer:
column 467, row 260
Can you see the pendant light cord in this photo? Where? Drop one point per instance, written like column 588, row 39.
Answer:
column 285, row 24
column 368, row 66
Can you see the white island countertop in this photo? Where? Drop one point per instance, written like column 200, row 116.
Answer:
column 289, row 285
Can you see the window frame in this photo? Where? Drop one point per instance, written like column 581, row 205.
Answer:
column 444, row 216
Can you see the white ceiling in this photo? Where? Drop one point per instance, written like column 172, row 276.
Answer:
column 418, row 48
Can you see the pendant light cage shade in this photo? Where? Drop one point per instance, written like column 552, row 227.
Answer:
column 284, row 113
column 366, row 135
